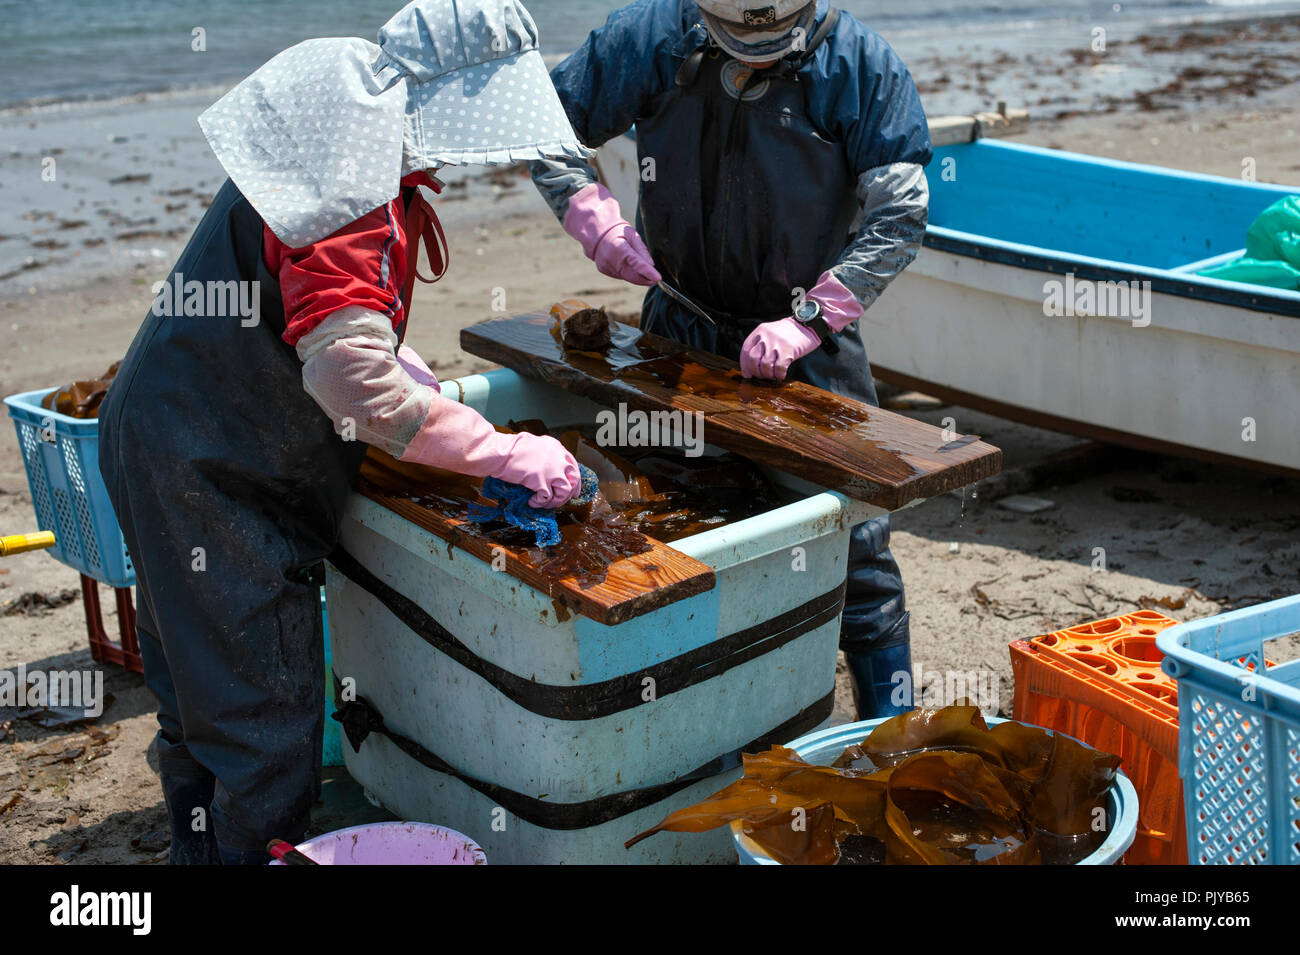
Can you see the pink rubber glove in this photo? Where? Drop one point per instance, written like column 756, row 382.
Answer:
column 416, row 368
column 840, row 307
column 773, row 347
column 460, row 439
column 609, row 240
column 541, row 464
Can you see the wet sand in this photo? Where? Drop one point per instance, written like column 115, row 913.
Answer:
column 1186, row 538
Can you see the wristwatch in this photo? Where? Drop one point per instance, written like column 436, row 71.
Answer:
column 809, row 315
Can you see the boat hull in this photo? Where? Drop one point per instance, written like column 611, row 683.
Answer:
column 1203, row 379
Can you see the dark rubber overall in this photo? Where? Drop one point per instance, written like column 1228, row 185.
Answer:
column 759, row 205
column 229, row 483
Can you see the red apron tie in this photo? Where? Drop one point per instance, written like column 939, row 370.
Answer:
column 422, row 224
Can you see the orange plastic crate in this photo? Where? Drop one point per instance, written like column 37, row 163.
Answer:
column 1120, row 652
column 1060, row 686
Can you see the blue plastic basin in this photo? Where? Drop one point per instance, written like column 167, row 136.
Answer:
column 824, row 747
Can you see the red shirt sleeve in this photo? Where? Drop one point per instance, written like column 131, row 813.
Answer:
column 364, row 264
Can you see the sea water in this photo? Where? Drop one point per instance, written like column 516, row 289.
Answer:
column 67, row 50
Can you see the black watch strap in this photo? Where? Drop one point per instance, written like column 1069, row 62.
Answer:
column 819, row 325
column 829, row 344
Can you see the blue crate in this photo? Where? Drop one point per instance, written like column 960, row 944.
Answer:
column 1239, row 735
column 61, row 454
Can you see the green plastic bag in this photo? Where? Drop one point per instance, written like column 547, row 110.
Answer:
column 1272, row 250
column 1276, row 233
column 1256, row 272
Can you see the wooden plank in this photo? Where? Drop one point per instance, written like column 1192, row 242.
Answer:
column 955, row 130
column 634, row 585
column 866, row 453
column 1005, row 122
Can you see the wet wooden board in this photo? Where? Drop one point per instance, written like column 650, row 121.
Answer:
column 866, row 453
column 632, row 586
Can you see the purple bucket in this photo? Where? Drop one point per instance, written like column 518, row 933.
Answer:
column 392, row 843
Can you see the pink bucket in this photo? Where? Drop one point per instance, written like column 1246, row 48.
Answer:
column 392, row 843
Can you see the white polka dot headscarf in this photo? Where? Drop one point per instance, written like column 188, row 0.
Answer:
column 324, row 132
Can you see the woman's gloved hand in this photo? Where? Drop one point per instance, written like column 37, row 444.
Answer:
column 609, row 240
column 460, row 439
column 388, row 397
column 542, row 464
column 773, row 347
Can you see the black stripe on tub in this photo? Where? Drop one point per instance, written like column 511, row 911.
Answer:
column 360, row 719
column 593, row 700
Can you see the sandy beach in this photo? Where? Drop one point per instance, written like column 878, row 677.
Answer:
column 78, row 254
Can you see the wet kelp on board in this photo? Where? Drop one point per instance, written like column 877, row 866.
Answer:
column 613, row 560
column 867, row 453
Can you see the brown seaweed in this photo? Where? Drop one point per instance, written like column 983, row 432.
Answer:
column 581, row 327
column 81, row 399
column 655, row 491
column 589, row 541
column 929, row 787
column 643, row 491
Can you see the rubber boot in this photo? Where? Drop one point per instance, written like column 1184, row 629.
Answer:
column 183, row 795
column 877, row 690
column 232, row 856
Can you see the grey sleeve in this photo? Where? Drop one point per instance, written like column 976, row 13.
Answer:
column 559, row 179
column 895, row 203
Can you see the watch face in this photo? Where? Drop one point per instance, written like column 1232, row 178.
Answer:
column 807, row 311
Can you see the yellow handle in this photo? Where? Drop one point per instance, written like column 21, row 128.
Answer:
column 21, row 543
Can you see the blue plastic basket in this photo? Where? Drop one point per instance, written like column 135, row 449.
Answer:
column 61, row 454
column 1238, row 735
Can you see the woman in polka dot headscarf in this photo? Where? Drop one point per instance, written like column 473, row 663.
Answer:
column 232, row 436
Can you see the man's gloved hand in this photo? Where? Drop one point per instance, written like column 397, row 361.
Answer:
column 773, row 347
column 609, row 240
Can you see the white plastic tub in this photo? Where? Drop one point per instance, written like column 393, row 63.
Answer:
column 553, row 774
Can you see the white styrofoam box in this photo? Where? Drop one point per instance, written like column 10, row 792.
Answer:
column 510, row 632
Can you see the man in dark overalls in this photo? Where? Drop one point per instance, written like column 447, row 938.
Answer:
column 231, row 436
column 781, row 148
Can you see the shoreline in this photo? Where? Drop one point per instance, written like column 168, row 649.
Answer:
column 133, row 175
column 497, row 224
column 909, row 40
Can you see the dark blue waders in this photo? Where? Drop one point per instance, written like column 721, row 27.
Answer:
column 760, row 205
column 749, row 192
column 229, row 483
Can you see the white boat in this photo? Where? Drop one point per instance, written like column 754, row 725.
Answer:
column 1061, row 290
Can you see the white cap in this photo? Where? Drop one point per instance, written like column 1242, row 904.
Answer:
column 759, row 31
column 324, row 132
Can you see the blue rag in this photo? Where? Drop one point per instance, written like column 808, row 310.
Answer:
column 512, row 507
